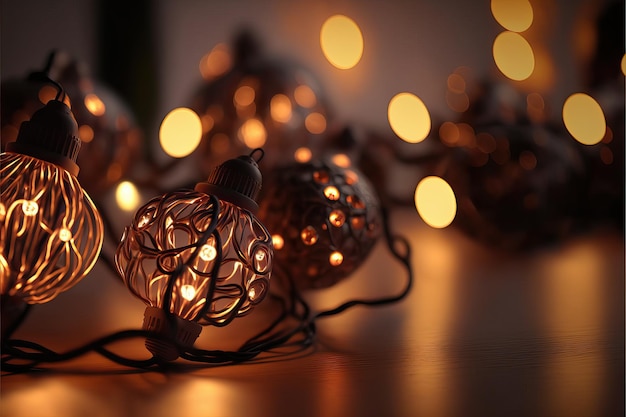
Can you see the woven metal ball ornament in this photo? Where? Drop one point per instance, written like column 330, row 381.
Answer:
column 518, row 186
column 324, row 220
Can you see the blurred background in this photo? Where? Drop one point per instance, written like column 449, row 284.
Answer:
column 492, row 130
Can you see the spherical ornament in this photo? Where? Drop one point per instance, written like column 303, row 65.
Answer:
column 324, row 218
column 517, row 186
column 198, row 257
column 257, row 101
column 50, row 231
column 110, row 138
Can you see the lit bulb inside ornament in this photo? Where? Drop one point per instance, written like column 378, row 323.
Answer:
column 198, row 257
column 50, row 231
column 325, row 219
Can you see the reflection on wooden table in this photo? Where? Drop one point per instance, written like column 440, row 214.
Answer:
column 481, row 333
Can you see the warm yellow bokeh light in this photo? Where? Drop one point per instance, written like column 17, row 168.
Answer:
column 624, row 64
column 85, row 133
column 304, row 96
column 180, row 132
column 216, row 62
column 513, row 15
column 127, row 196
column 280, row 108
column 253, row 133
column 341, row 41
column 435, row 202
column 409, row 118
column 513, row 56
column 244, row 96
column 315, row 123
column 94, row 105
column 303, row 155
column 584, row 119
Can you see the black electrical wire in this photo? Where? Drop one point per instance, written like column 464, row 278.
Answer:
column 292, row 331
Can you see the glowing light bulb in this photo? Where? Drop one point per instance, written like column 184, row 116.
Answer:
column 38, row 195
column 30, row 207
column 208, row 252
column 188, row 292
column 278, row 242
column 337, row 218
column 332, row 193
column 335, row 258
column 210, row 249
column 309, row 235
column 65, row 234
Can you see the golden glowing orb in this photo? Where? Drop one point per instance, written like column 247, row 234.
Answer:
column 435, row 202
column 180, row 132
column 409, row 118
column 584, row 119
column 341, row 41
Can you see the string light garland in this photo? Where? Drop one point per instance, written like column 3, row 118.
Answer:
column 50, row 231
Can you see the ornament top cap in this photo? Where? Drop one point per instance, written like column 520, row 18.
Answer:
column 237, row 181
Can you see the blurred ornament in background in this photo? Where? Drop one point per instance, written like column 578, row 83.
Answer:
column 519, row 182
column 50, row 231
column 110, row 137
column 248, row 100
column 324, row 217
column 198, row 257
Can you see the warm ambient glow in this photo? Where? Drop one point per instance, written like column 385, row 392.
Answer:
column 435, row 202
column 127, row 196
column 584, row 119
column 341, row 41
column 623, row 65
column 409, row 117
column 303, row 155
column 180, row 132
column 513, row 15
column 513, row 55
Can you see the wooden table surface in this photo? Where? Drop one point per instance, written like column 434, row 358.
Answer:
column 480, row 334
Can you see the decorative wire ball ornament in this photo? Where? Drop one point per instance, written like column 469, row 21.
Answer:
column 257, row 101
column 50, row 231
column 324, row 218
column 519, row 181
column 110, row 137
column 198, row 257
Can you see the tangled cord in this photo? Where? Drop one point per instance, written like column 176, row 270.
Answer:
column 292, row 332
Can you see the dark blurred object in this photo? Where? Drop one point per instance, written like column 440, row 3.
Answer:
column 110, row 138
column 324, row 218
column 250, row 101
column 605, row 82
column 518, row 183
